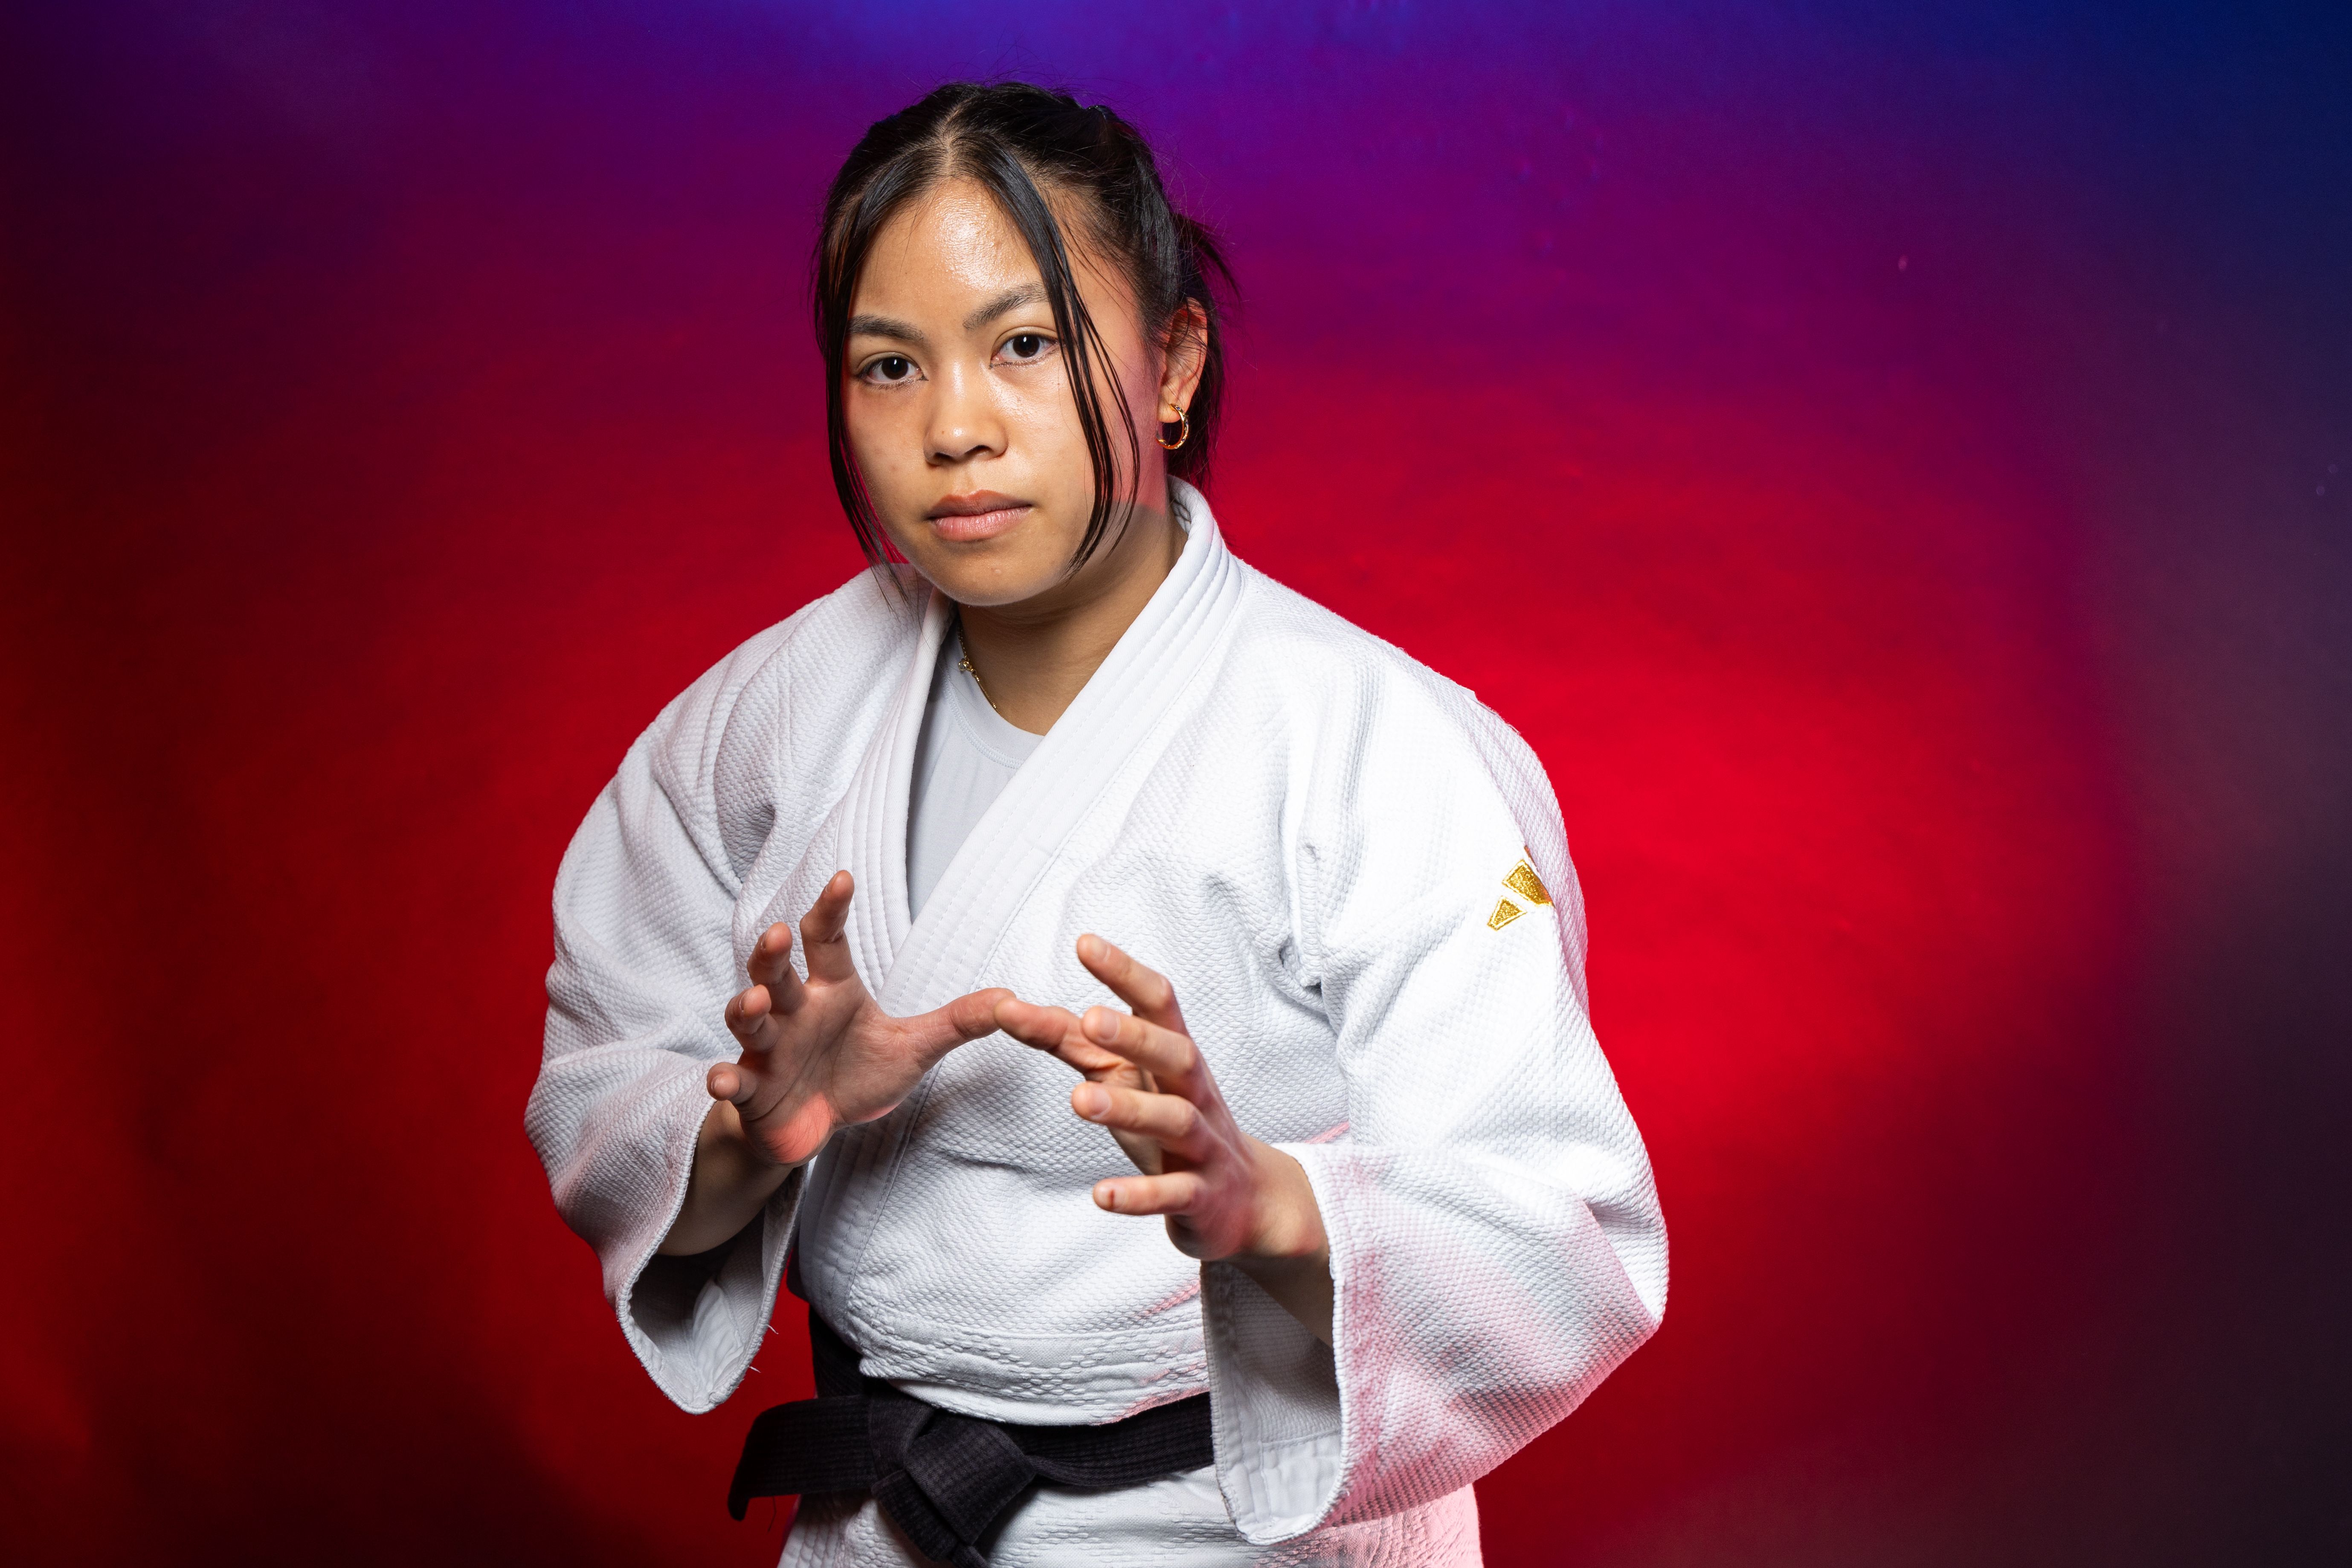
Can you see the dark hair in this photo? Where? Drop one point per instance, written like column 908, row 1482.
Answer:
column 1022, row 143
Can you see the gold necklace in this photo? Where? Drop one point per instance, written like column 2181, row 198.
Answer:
column 963, row 662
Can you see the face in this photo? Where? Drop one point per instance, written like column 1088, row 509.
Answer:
column 959, row 412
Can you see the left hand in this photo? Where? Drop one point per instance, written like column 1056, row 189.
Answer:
column 1225, row 1194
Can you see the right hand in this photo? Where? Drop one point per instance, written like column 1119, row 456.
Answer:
column 820, row 1054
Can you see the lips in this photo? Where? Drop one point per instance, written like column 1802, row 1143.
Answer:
column 982, row 514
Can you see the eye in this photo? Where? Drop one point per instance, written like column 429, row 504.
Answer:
column 1026, row 347
column 888, row 370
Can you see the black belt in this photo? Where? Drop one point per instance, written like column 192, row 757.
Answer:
column 943, row 1479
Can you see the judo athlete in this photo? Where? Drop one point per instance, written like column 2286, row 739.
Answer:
column 1163, row 1066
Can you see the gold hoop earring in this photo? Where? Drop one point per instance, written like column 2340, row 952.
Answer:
column 1183, row 431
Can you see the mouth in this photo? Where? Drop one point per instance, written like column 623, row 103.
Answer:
column 982, row 514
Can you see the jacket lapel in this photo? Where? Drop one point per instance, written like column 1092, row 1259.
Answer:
column 1172, row 644
column 873, row 815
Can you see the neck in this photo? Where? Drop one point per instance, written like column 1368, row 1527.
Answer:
column 1034, row 657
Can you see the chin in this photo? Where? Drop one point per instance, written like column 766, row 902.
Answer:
column 969, row 578
column 1004, row 569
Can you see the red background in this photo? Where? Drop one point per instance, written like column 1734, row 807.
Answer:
column 1888, row 466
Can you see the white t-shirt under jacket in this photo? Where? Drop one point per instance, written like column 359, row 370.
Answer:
column 967, row 754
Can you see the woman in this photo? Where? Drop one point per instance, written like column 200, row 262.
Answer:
column 1073, row 791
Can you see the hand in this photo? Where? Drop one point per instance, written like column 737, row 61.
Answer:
column 820, row 1054
column 1225, row 1194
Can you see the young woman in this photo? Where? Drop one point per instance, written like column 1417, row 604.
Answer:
column 1073, row 847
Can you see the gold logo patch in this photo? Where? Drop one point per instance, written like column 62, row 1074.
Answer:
column 1524, row 882
column 1505, row 913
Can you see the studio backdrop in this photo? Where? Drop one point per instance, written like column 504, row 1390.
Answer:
column 1890, row 462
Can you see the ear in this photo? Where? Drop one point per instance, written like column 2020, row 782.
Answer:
column 1187, row 349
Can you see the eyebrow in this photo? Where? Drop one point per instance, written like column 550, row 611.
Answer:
column 1012, row 299
column 886, row 327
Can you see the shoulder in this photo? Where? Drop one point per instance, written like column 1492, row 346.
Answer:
column 1409, row 793
column 724, row 746
column 1362, row 701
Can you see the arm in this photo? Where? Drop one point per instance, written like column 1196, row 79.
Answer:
column 731, row 1184
column 1392, row 1315
column 641, row 1028
column 1484, row 1244
column 634, row 1021
column 1497, row 1246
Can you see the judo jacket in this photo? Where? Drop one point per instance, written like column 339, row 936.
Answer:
column 1355, row 877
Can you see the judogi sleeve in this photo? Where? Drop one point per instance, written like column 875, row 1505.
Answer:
column 1496, row 1245
column 636, row 1000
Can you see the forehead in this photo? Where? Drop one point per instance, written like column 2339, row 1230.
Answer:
column 944, row 250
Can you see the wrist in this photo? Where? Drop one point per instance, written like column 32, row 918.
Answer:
column 727, row 1187
column 735, row 1157
column 1289, row 1227
column 1290, row 1258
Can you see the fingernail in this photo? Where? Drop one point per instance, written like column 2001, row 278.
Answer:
column 1102, row 1025
column 1106, row 1197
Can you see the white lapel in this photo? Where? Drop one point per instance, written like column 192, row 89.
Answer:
column 872, row 817
column 1173, row 644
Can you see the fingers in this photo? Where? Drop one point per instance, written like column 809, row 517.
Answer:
column 770, row 964
column 822, row 929
column 731, row 1082
column 775, row 991
column 1054, row 1029
column 970, row 1017
column 1163, row 1053
column 1033, row 1025
column 1177, row 1193
column 934, row 1034
column 1176, row 1125
column 1145, row 990
column 749, row 1019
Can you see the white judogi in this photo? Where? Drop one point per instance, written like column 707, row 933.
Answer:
column 1320, row 842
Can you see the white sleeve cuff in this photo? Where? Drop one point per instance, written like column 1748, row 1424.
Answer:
column 696, row 1322
column 1273, row 1396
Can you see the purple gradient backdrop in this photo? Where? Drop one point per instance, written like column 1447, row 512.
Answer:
column 1889, row 465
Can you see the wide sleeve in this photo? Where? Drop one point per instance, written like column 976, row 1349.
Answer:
column 1496, row 1245
column 636, row 997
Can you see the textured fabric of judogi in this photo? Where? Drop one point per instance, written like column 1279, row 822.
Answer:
column 1356, row 879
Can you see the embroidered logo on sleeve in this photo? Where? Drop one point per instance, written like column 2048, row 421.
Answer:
column 1522, row 880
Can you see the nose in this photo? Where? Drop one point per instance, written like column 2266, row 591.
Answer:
column 965, row 425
